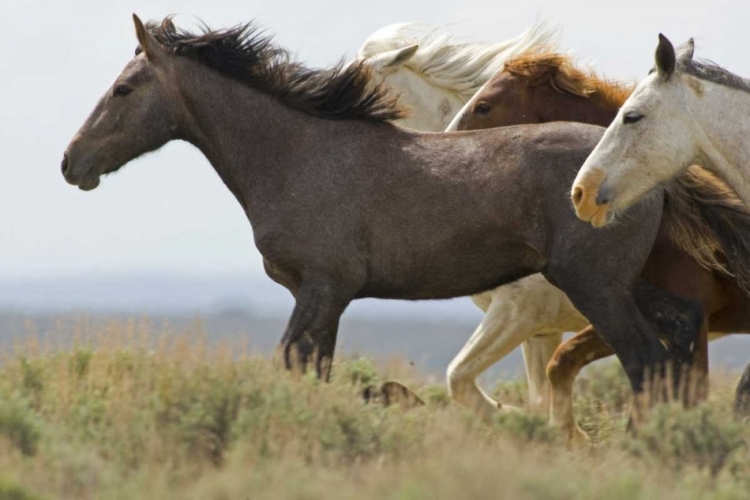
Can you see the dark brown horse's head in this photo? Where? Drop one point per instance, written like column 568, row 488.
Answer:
column 132, row 118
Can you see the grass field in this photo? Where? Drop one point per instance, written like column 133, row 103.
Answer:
column 120, row 415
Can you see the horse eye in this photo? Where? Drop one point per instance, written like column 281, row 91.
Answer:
column 122, row 91
column 483, row 109
column 631, row 117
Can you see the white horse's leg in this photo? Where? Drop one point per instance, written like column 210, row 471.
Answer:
column 515, row 313
column 537, row 351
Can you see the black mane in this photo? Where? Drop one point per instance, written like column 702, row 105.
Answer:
column 246, row 55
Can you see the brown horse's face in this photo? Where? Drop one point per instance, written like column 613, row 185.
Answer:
column 506, row 100
column 130, row 119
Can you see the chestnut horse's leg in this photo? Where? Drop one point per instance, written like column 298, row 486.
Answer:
column 572, row 355
column 313, row 327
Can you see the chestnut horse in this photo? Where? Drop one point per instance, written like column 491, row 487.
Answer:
column 543, row 86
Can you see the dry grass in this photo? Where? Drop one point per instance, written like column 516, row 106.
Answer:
column 124, row 415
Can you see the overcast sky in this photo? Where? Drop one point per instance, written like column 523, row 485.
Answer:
column 169, row 211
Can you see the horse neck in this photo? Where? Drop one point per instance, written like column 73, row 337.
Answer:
column 242, row 132
column 558, row 106
column 722, row 117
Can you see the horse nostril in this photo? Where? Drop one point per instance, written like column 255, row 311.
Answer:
column 64, row 164
column 603, row 197
column 577, row 196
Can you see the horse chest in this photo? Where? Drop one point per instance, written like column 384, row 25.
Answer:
column 286, row 277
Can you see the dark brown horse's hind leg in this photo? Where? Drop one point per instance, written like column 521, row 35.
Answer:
column 313, row 328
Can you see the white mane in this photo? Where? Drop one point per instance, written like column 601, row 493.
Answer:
column 450, row 62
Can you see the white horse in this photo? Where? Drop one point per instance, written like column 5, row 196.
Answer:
column 436, row 74
column 686, row 112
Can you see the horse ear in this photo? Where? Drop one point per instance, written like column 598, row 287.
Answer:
column 393, row 58
column 686, row 50
column 666, row 60
column 146, row 40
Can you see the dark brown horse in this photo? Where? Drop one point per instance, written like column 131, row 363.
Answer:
column 344, row 205
column 546, row 86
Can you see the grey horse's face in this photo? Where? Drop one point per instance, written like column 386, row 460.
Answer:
column 650, row 141
column 132, row 118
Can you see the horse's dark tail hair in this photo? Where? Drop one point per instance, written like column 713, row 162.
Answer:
column 705, row 218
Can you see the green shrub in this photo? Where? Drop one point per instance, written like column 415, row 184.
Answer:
column 19, row 425
column 527, row 426
column 359, row 371
column 11, row 491
column 697, row 437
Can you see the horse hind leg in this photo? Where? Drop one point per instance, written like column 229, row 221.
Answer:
column 514, row 315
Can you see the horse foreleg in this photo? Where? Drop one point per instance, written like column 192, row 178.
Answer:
column 575, row 353
column 644, row 347
column 313, row 327
column 682, row 327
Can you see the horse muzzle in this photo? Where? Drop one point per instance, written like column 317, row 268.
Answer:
column 591, row 201
column 85, row 179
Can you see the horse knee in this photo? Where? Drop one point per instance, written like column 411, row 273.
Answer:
column 562, row 368
column 458, row 380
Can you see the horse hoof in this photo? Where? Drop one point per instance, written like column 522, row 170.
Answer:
column 576, row 437
column 508, row 408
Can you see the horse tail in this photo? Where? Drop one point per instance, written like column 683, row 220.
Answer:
column 705, row 218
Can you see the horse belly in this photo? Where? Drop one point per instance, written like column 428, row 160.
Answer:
column 450, row 273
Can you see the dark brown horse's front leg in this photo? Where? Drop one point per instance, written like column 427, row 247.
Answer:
column 313, row 328
column 648, row 329
column 681, row 328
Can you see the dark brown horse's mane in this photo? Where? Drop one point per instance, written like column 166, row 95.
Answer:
column 248, row 56
column 559, row 70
